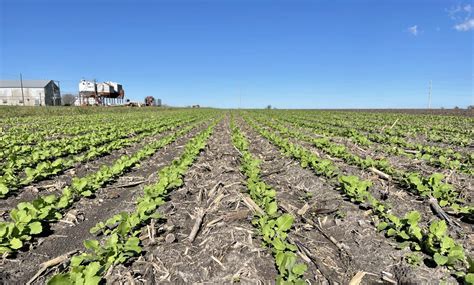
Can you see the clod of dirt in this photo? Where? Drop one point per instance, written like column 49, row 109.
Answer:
column 170, row 238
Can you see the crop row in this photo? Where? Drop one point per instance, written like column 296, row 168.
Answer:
column 411, row 126
column 451, row 130
column 272, row 225
column 32, row 131
column 436, row 156
column 16, row 155
column 29, row 218
column 121, row 231
column 434, row 240
column 431, row 186
column 386, row 136
column 30, row 155
column 35, row 131
column 11, row 181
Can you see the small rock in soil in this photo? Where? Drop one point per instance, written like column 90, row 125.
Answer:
column 170, row 238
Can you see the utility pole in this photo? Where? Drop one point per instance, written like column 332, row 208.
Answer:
column 22, row 94
column 59, row 92
column 429, row 97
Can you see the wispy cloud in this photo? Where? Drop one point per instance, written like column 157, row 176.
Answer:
column 413, row 30
column 465, row 26
column 461, row 14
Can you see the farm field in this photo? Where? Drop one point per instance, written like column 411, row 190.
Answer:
column 137, row 196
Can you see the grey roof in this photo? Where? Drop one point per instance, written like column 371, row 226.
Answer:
column 26, row 83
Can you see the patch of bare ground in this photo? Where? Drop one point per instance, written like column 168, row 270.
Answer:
column 55, row 184
column 207, row 236
column 337, row 233
column 68, row 234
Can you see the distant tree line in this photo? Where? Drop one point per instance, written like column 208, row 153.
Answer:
column 68, row 99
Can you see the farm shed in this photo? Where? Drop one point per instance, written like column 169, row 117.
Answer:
column 29, row 93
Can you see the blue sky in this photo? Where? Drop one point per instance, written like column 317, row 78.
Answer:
column 290, row 54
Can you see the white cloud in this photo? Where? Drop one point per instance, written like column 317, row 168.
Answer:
column 465, row 26
column 453, row 12
column 413, row 30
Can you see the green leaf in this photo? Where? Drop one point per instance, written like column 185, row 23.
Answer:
column 49, row 199
column 92, row 269
column 382, row 226
column 284, row 222
column 278, row 244
column 77, row 260
column 4, row 249
column 391, row 232
column 413, row 217
column 35, row 228
column 3, row 189
column 91, row 244
column 469, row 279
column 438, row 228
column 440, row 259
column 30, row 173
column 299, row 269
column 271, row 208
column 3, row 229
column 16, row 243
column 95, row 280
column 60, row 279
column 86, row 193
column 79, row 184
column 133, row 245
column 403, row 235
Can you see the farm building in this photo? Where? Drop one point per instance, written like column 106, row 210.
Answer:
column 29, row 93
column 105, row 93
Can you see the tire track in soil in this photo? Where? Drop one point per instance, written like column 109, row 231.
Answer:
column 370, row 251
column 55, row 184
column 86, row 213
column 400, row 199
column 225, row 249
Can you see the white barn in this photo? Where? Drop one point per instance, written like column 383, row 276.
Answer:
column 29, row 93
